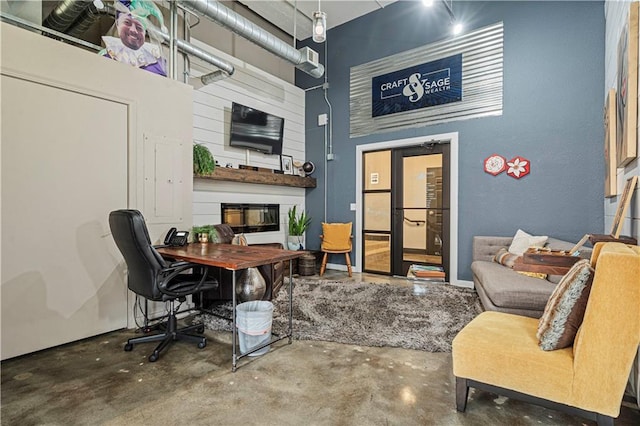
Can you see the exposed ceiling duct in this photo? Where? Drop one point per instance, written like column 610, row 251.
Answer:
column 65, row 14
column 87, row 18
column 76, row 16
column 304, row 59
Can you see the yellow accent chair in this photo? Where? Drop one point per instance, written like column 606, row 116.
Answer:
column 336, row 238
column 500, row 353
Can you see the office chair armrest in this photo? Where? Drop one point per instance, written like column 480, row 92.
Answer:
column 181, row 266
column 186, row 287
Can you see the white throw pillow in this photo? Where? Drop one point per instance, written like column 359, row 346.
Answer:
column 522, row 241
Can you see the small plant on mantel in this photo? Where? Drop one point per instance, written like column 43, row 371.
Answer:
column 203, row 162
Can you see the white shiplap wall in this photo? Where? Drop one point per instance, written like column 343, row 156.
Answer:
column 615, row 15
column 211, row 120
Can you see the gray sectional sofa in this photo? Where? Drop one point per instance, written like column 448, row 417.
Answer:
column 502, row 289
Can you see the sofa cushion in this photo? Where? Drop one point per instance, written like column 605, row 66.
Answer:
column 564, row 311
column 522, row 241
column 508, row 289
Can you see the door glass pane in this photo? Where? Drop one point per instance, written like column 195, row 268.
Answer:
column 377, row 211
column 377, row 252
column 377, row 170
column 422, row 209
column 434, row 214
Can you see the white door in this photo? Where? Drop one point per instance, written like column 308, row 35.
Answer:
column 64, row 168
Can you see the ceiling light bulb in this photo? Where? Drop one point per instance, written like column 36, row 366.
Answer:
column 457, row 28
column 319, row 27
column 427, row 3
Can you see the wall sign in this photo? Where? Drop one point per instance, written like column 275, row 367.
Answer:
column 482, row 53
column 433, row 83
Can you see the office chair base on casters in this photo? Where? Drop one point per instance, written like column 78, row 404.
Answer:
column 171, row 334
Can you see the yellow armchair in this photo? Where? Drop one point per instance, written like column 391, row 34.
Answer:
column 499, row 352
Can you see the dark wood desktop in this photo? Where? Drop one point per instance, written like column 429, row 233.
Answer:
column 235, row 258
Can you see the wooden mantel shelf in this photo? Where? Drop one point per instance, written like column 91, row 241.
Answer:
column 266, row 178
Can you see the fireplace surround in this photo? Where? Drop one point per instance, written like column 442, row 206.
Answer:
column 249, row 218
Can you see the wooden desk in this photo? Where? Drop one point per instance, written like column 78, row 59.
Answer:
column 234, row 258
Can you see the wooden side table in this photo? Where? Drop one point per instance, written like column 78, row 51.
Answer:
column 296, row 262
column 552, row 262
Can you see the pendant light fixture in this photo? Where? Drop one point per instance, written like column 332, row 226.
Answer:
column 456, row 25
column 319, row 25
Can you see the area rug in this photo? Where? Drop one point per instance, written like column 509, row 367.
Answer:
column 371, row 314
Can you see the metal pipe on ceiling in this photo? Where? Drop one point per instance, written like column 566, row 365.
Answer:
column 192, row 50
column 231, row 20
column 173, row 32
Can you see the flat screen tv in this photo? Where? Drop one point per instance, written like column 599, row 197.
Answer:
column 256, row 130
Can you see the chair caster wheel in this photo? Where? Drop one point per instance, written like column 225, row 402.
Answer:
column 200, row 329
column 153, row 357
column 202, row 344
column 128, row 347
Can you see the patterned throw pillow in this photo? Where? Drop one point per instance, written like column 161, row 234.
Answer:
column 505, row 258
column 564, row 311
column 522, row 241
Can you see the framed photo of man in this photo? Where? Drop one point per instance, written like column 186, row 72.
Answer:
column 627, row 97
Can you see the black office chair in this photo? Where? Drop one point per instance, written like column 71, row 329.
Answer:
column 152, row 277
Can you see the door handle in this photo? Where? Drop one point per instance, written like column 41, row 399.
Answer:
column 416, row 222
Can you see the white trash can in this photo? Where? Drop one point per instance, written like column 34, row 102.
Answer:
column 253, row 320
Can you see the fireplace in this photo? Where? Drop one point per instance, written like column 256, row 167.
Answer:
column 248, row 218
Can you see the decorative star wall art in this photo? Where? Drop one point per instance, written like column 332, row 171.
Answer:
column 518, row 167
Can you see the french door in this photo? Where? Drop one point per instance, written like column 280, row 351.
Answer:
column 406, row 208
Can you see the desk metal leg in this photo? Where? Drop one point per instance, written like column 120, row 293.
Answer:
column 233, row 323
column 290, row 301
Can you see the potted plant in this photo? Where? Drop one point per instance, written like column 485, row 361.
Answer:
column 204, row 234
column 203, row 162
column 298, row 224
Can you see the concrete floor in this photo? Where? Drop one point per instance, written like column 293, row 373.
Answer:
column 95, row 382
